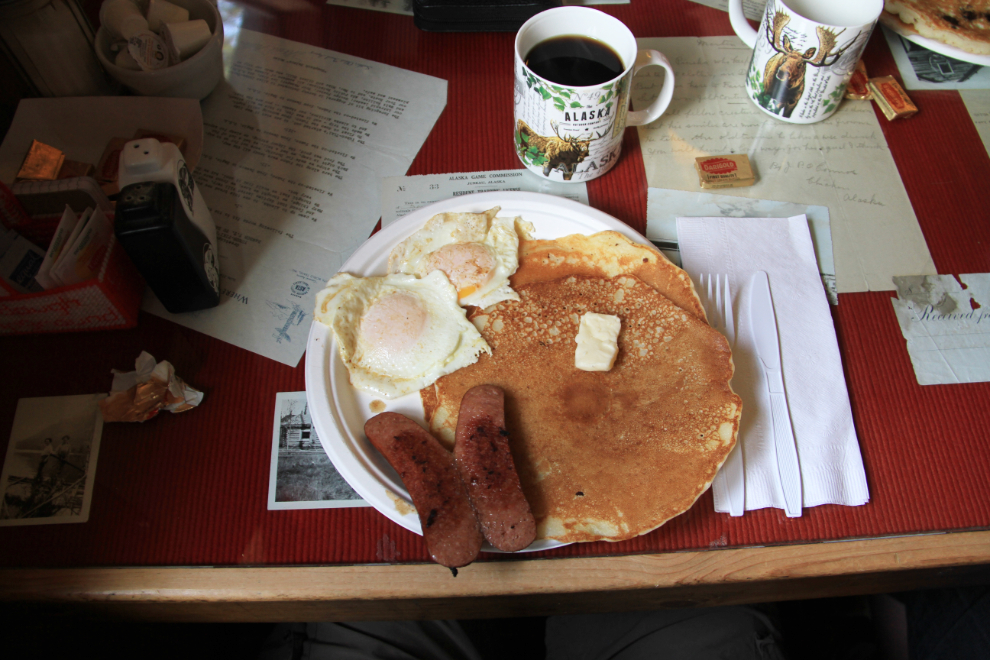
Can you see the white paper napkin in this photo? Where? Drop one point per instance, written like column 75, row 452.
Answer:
column 828, row 449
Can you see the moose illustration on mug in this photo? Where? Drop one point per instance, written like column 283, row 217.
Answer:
column 783, row 75
column 553, row 152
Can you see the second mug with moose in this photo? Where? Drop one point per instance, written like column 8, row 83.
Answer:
column 804, row 54
column 573, row 71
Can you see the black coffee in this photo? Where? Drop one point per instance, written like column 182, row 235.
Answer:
column 574, row 61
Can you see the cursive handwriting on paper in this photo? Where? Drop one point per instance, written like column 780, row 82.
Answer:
column 842, row 163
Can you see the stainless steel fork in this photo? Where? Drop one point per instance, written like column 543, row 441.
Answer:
column 729, row 485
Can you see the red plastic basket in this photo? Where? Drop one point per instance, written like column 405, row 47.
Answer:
column 109, row 301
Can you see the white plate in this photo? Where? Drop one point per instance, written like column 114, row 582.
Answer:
column 339, row 411
column 939, row 47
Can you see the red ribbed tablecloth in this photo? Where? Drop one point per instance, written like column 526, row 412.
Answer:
column 191, row 489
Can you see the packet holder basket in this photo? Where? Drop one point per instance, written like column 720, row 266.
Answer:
column 109, row 301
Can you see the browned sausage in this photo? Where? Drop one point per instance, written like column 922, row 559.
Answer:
column 483, row 457
column 450, row 527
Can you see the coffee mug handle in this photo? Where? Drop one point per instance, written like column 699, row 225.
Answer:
column 648, row 58
column 742, row 27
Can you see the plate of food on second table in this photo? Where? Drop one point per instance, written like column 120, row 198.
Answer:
column 605, row 454
column 954, row 29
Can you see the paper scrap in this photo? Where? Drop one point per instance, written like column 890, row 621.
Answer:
column 403, row 194
column 978, row 104
column 139, row 395
column 921, row 68
column 842, row 163
column 946, row 322
column 663, row 207
column 50, row 465
column 297, row 141
column 301, row 474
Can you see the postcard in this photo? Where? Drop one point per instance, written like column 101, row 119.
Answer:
column 50, row 466
column 945, row 321
column 921, row 68
column 302, row 476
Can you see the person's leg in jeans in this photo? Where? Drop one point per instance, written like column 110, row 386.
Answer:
column 370, row 640
column 736, row 633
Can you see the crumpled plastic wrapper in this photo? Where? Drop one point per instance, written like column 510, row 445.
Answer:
column 137, row 396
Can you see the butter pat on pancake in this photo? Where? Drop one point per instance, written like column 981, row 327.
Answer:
column 605, row 455
column 597, row 342
column 605, row 254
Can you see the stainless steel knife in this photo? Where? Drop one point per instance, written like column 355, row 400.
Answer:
column 764, row 322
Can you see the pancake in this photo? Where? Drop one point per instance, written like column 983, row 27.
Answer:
column 605, row 254
column 964, row 24
column 602, row 455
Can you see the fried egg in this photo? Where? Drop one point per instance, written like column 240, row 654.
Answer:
column 477, row 251
column 398, row 333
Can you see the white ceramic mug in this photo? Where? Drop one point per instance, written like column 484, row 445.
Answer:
column 574, row 133
column 804, row 54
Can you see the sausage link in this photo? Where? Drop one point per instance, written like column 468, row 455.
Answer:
column 450, row 527
column 481, row 449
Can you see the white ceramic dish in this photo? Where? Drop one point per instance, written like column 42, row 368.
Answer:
column 939, row 47
column 339, row 411
column 194, row 78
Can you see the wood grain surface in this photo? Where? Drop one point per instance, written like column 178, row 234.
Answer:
column 502, row 589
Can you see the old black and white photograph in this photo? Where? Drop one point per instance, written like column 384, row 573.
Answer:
column 302, row 476
column 922, row 68
column 50, row 465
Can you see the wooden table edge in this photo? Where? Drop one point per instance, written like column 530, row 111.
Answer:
column 505, row 588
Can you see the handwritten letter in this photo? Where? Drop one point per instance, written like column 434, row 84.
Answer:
column 842, row 163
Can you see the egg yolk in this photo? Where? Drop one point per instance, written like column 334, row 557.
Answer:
column 394, row 323
column 468, row 266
